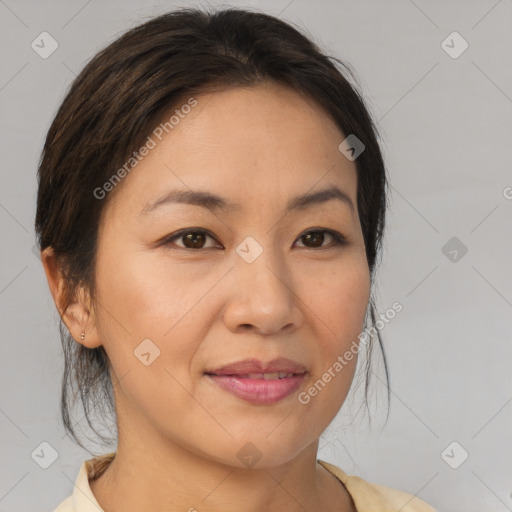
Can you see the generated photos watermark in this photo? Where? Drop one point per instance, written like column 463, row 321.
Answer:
column 137, row 156
column 304, row 397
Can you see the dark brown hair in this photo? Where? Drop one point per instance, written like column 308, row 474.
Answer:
column 117, row 100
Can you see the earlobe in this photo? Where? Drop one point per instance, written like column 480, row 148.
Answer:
column 80, row 320
column 76, row 315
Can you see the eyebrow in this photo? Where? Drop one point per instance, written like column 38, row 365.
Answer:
column 217, row 203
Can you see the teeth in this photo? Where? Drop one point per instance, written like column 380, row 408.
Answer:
column 266, row 376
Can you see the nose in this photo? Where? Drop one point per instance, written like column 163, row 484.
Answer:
column 263, row 298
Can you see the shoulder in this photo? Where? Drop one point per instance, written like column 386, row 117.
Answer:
column 370, row 497
column 82, row 499
column 66, row 505
column 396, row 499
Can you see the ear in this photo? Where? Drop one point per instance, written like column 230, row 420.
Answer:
column 79, row 316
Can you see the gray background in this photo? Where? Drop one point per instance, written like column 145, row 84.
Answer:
column 447, row 130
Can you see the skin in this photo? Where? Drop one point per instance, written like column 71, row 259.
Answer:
column 179, row 434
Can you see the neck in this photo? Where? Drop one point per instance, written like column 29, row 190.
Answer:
column 142, row 477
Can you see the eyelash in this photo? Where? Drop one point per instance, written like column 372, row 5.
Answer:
column 338, row 239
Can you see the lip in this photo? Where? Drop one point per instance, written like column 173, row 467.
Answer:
column 246, row 366
column 233, row 378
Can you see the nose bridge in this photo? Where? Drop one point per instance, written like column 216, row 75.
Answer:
column 263, row 296
column 261, row 265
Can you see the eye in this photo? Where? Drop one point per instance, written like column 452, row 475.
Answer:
column 192, row 239
column 316, row 237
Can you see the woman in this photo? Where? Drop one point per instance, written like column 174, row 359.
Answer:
column 210, row 210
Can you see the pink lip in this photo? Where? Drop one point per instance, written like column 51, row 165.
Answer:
column 256, row 366
column 258, row 390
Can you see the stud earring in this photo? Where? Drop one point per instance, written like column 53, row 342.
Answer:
column 82, row 336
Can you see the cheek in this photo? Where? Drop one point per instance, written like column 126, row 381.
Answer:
column 339, row 299
column 337, row 302
column 145, row 317
column 139, row 303
column 145, row 294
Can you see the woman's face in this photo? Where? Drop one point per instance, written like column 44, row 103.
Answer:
column 251, row 283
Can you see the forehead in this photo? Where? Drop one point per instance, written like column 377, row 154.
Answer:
column 254, row 146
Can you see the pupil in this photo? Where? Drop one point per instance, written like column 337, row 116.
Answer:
column 315, row 236
column 192, row 237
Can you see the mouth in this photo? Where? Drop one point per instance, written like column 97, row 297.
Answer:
column 260, row 376
column 281, row 365
column 257, row 382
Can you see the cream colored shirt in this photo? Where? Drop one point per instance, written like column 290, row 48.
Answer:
column 367, row 497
